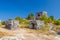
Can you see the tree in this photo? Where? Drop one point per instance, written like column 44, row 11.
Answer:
column 30, row 16
column 51, row 19
column 3, row 23
column 9, row 19
column 57, row 22
column 44, row 18
column 17, row 18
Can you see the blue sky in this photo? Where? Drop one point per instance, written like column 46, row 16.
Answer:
column 13, row 8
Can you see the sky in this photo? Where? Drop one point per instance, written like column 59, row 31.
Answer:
column 14, row 8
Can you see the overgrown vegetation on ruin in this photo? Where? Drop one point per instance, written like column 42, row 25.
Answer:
column 24, row 22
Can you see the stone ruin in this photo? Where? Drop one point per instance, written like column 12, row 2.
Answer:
column 40, row 14
column 40, row 24
column 36, row 24
column 32, row 24
column 11, row 24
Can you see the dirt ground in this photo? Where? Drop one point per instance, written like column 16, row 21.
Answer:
column 26, row 34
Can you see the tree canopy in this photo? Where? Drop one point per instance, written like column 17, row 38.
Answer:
column 17, row 18
column 30, row 16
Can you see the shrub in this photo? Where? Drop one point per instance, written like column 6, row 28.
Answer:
column 57, row 22
column 44, row 28
column 3, row 23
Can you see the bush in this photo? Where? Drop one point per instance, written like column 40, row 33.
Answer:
column 44, row 28
column 30, row 16
column 3, row 23
column 57, row 22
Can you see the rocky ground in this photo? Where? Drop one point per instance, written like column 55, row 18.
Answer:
column 25, row 34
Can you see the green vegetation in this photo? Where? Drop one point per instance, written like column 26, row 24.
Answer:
column 25, row 22
column 57, row 22
column 17, row 18
column 3, row 23
column 51, row 19
column 9, row 19
column 44, row 28
column 45, row 19
column 30, row 16
column 22, row 20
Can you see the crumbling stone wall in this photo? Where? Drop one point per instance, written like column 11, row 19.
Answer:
column 40, row 14
column 36, row 24
column 11, row 24
column 32, row 24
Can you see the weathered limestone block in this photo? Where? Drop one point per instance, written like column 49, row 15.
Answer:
column 32, row 24
column 40, row 14
column 36, row 24
column 40, row 24
column 16, row 23
column 11, row 24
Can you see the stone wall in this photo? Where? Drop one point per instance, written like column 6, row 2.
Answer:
column 32, row 24
column 40, row 24
column 11, row 24
column 36, row 24
column 40, row 14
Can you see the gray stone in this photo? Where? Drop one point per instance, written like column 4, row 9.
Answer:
column 40, row 14
column 36, row 24
column 40, row 24
column 11, row 24
column 32, row 24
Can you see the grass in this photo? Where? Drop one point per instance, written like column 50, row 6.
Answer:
column 23, row 25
